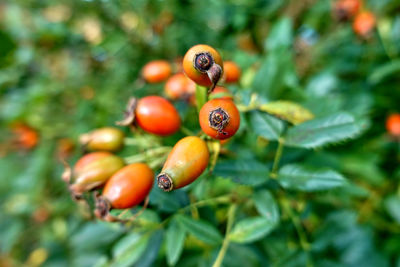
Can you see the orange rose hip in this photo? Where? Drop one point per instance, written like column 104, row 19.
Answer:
column 157, row 115
column 219, row 118
column 156, row 71
column 203, row 65
column 185, row 163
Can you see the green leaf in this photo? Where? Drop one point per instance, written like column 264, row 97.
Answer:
column 384, row 71
column 249, row 172
column 322, row 84
column 266, row 126
column 266, row 205
column 175, row 238
column 201, row 229
column 166, row 202
column 128, row 250
column 276, row 74
column 150, row 255
column 301, row 178
column 392, row 205
column 281, row 34
column 288, row 111
column 251, row 229
column 92, row 235
column 323, row 131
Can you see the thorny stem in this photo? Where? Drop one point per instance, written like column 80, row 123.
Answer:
column 299, row 228
column 225, row 244
column 277, row 158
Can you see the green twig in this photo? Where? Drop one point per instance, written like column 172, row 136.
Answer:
column 148, row 154
column 186, row 131
column 299, row 228
column 225, row 244
column 205, row 202
column 220, row 199
column 278, row 155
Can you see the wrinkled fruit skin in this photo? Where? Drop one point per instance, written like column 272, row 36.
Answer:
column 156, row 71
column 157, row 115
column 219, row 118
column 232, row 72
column 195, row 75
column 185, row 163
column 393, row 124
column 364, row 23
column 103, row 139
column 129, row 186
column 93, row 170
column 220, row 92
column 345, row 9
column 179, row 86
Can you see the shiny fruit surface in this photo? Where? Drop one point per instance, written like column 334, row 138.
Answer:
column 207, row 56
column 129, row 186
column 185, row 163
column 105, row 139
column 93, row 170
column 157, row 115
column 219, row 118
column 156, row 71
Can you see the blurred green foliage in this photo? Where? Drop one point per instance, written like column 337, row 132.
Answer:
column 67, row 67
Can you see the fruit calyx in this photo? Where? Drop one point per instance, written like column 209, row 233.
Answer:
column 164, row 182
column 218, row 119
column 205, row 63
column 129, row 113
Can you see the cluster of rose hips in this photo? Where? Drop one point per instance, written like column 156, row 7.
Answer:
column 364, row 20
column 125, row 186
